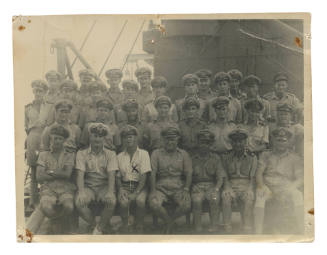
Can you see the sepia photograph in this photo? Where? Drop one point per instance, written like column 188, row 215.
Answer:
column 163, row 127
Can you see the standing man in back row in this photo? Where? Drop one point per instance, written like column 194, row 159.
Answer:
column 114, row 93
column 143, row 75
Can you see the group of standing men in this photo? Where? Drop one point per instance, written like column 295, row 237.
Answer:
column 221, row 146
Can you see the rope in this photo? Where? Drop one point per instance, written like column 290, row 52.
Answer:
column 112, row 49
column 131, row 49
column 82, row 46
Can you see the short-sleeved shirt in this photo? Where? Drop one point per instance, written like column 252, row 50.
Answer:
column 130, row 169
column 207, row 168
column 150, row 113
column 188, row 140
column 152, row 134
column 222, row 142
column 181, row 113
column 112, row 140
column 280, row 170
column 36, row 115
column 258, row 136
column 265, row 112
column 274, row 101
column 170, row 169
column 96, row 166
column 51, row 163
column 72, row 142
column 234, row 110
column 243, row 167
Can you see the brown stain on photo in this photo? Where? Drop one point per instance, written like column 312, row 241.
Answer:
column 298, row 42
column 21, row 28
column 312, row 211
column 29, row 236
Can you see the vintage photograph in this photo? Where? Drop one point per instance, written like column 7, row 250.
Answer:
column 163, row 125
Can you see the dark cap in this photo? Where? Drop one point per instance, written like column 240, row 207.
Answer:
column 63, row 104
column 87, row 72
column 130, row 84
column 251, row 79
column 189, row 78
column 190, row 101
column 235, row 74
column 162, row 100
column 40, row 84
column 53, row 73
column 221, row 76
column 128, row 130
column 219, row 101
column 280, row 77
column 203, row 73
column 206, row 134
column 170, row 132
column 159, row 81
column 130, row 104
column 59, row 130
column 238, row 134
column 98, row 129
column 114, row 73
column 143, row 71
column 97, row 85
column 68, row 84
column 282, row 132
column 105, row 103
column 284, row 107
column 253, row 105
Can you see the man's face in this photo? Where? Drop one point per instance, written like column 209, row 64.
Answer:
column 221, row 111
column 252, row 90
column 144, row 80
column 114, row 82
column 39, row 94
column 223, row 87
column 284, row 117
column 191, row 112
column 62, row 115
column 53, row 80
column 234, row 85
column 67, row 93
column 102, row 113
column 280, row 142
column 170, row 143
column 159, row 91
column 132, row 115
column 238, row 144
column 281, row 87
column 129, row 92
column 56, row 142
column 204, row 84
column 163, row 110
column 86, row 79
column 96, row 94
column 96, row 139
column 191, row 88
column 130, row 141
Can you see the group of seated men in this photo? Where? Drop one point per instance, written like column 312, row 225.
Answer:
column 222, row 144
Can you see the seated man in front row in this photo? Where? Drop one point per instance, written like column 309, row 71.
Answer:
column 240, row 166
column 96, row 169
column 208, row 178
column 53, row 171
column 171, row 178
column 134, row 164
column 279, row 176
